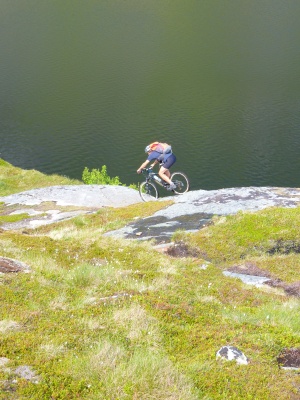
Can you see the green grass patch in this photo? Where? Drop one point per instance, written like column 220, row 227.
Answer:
column 13, row 218
column 14, row 179
column 104, row 318
column 265, row 236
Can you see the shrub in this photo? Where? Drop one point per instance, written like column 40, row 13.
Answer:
column 97, row 177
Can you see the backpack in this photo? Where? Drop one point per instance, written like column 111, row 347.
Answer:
column 163, row 148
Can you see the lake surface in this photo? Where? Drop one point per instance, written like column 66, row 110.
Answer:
column 88, row 83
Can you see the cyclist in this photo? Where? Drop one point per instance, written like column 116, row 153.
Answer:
column 165, row 164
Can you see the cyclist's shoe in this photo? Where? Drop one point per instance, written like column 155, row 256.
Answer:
column 171, row 187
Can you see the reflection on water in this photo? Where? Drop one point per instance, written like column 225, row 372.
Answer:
column 91, row 83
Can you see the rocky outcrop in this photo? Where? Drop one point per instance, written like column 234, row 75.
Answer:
column 77, row 195
column 231, row 200
column 190, row 211
column 193, row 210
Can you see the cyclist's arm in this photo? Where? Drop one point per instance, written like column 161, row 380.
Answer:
column 154, row 163
column 144, row 165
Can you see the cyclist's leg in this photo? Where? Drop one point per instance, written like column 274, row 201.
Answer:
column 164, row 172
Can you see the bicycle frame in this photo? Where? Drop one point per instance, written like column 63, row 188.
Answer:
column 154, row 177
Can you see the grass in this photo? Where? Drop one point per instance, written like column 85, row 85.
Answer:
column 105, row 318
column 255, row 237
column 13, row 218
column 14, row 180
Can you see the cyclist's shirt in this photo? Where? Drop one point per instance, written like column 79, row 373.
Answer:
column 155, row 155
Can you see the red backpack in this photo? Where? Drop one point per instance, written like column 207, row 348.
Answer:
column 163, row 148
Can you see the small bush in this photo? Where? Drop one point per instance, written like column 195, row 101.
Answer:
column 97, row 177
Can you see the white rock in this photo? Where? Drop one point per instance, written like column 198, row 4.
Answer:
column 231, row 353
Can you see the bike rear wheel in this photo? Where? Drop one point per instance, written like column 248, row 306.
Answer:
column 181, row 181
column 148, row 191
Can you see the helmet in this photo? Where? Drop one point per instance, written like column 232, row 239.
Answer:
column 147, row 148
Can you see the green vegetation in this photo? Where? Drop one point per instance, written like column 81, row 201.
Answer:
column 10, row 217
column 13, row 218
column 14, row 180
column 97, row 177
column 256, row 237
column 103, row 318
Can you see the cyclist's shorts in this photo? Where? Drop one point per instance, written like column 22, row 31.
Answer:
column 169, row 161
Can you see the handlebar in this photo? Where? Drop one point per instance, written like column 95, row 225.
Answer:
column 147, row 171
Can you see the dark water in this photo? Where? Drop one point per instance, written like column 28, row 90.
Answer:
column 88, row 83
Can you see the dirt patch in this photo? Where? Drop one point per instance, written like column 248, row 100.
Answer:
column 289, row 358
column 290, row 289
column 180, row 249
column 249, row 268
column 8, row 265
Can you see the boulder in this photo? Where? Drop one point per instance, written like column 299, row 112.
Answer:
column 231, row 353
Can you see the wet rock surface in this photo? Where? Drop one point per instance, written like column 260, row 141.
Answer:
column 160, row 228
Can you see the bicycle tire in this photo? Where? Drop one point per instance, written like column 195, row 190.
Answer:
column 148, row 191
column 181, row 181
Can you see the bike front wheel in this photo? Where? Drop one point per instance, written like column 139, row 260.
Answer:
column 148, row 191
column 181, row 181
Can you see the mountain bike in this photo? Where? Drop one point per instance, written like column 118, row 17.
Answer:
column 148, row 190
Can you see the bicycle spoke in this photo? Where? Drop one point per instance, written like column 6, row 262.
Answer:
column 148, row 191
column 181, row 181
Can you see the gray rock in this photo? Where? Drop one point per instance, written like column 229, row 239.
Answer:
column 219, row 202
column 231, row 353
column 231, row 200
column 26, row 372
column 77, row 195
column 254, row 280
column 190, row 211
column 193, row 210
column 160, row 227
